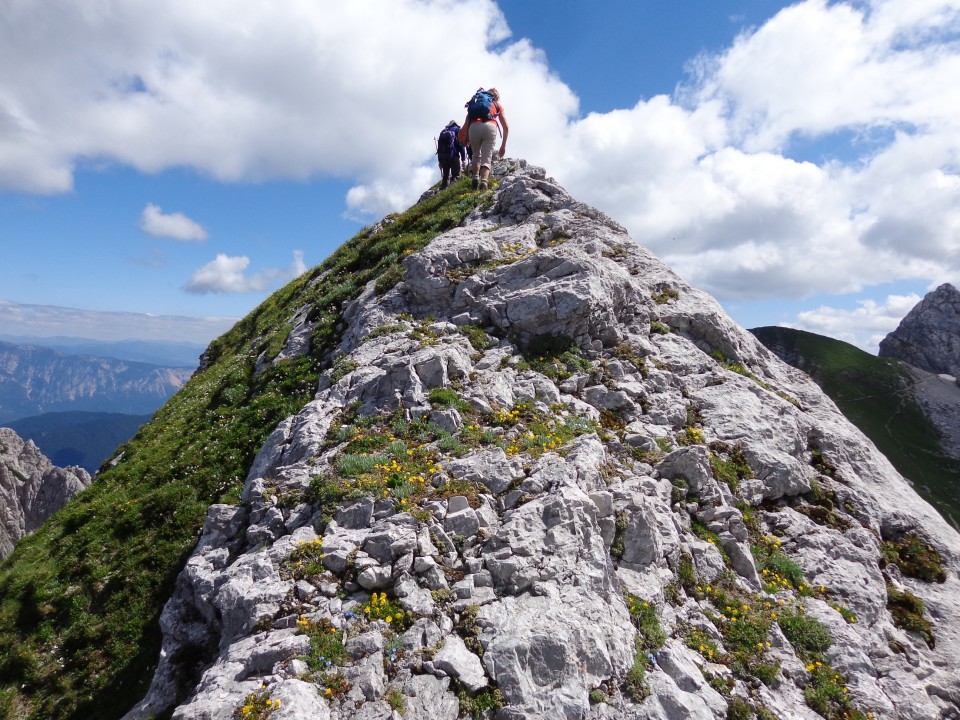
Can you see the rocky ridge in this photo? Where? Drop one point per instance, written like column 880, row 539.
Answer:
column 31, row 488
column 939, row 396
column 547, row 478
column 928, row 340
column 928, row 337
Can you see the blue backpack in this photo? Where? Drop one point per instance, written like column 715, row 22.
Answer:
column 480, row 105
column 447, row 143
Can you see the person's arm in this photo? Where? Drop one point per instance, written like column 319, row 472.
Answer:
column 502, row 118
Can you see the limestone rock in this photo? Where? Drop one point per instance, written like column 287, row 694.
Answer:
column 582, row 536
column 31, row 488
column 929, row 336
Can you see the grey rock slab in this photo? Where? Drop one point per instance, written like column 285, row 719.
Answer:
column 364, row 644
column 298, row 699
column 357, row 514
column 455, row 660
column 429, row 697
column 492, row 468
column 927, row 337
column 31, row 488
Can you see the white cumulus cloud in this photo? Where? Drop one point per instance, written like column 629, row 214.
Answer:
column 172, row 225
column 53, row 321
column 240, row 89
column 226, row 274
column 818, row 154
column 716, row 180
column 864, row 326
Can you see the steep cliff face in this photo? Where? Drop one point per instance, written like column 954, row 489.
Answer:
column 35, row 380
column 929, row 336
column 31, row 488
column 546, row 478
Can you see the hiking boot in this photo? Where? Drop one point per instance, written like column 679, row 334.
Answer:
column 475, row 183
column 483, row 185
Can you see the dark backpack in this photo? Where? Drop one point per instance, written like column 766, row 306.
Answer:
column 447, row 143
column 480, row 106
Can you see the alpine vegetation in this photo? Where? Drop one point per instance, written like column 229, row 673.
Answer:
column 522, row 470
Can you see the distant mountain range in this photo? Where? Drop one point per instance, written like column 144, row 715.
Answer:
column 35, row 380
column 162, row 353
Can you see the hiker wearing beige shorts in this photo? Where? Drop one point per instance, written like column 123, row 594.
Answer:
column 483, row 137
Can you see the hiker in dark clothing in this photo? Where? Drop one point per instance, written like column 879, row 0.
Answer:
column 450, row 154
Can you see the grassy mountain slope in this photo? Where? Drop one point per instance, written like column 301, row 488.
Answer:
column 874, row 394
column 80, row 599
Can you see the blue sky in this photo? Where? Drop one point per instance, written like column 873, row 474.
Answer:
column 163, row 167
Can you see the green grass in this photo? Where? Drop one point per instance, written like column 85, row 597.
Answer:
column 739, row 709
column 650, row 635
column 908, row 613
column 635, row 683
column 869, row 392
column 915, row 558
column 729, row 464
column 555, row 356
column 777, row 571
column 326, row 645
column 806, row 634
column 447, row 398
column 395, row 699
column 88, row 587
column 477, row 706
column 477, row 337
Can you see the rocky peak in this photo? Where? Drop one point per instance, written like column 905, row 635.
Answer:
column 545, row 478
column 31, row 488
column 929, row 336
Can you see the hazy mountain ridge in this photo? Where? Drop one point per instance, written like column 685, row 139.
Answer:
column 35, row 380
column 163, row 353
column 507, row 467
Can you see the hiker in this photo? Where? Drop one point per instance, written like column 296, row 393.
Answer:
column 450, row 154
column 485, row 118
